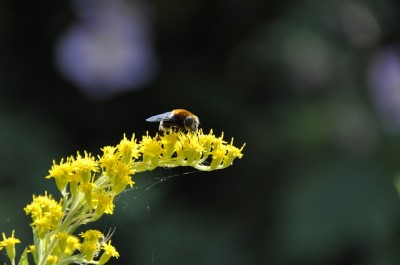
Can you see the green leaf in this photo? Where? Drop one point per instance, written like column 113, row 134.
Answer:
column 24, row 258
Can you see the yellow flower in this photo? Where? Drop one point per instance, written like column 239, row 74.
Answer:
column 169, row 142
column 67, row 244
column 206, row 140
column 90, row 244
column 120, row 176
column 72, row 244
column 87, row 189
column 61, row 173
column 89, row 185
column 151, row 150
column 73, row 170
column 109, row 251
column 32, row 249
column 92, row 235
column 45, row 212
column 51, row 260
column 128, row 149
column 109, row 157
column 89, row 249
column 233, row 152
column 102, row 202
column 218, row 155
column 192, row 148
column 196, row 149
column 42, row 225
column 62, row 242
column 84, row 166
column 9, row 244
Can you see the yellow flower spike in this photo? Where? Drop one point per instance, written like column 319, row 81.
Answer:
column 9, row 243
column 109, row 251
column 89, row 185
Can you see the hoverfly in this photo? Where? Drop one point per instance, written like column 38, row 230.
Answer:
column 177, row 119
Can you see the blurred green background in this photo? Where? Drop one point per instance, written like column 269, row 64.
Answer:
column 312, row 87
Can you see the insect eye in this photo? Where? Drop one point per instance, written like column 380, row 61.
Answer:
column 188, row 122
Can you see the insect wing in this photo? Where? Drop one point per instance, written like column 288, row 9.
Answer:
column 160, row 117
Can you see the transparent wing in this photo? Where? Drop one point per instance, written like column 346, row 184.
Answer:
column 160, row 117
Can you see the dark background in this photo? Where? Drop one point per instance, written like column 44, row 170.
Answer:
column 312, row 87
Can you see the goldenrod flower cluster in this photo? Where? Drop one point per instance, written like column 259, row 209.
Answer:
column 89, row 185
